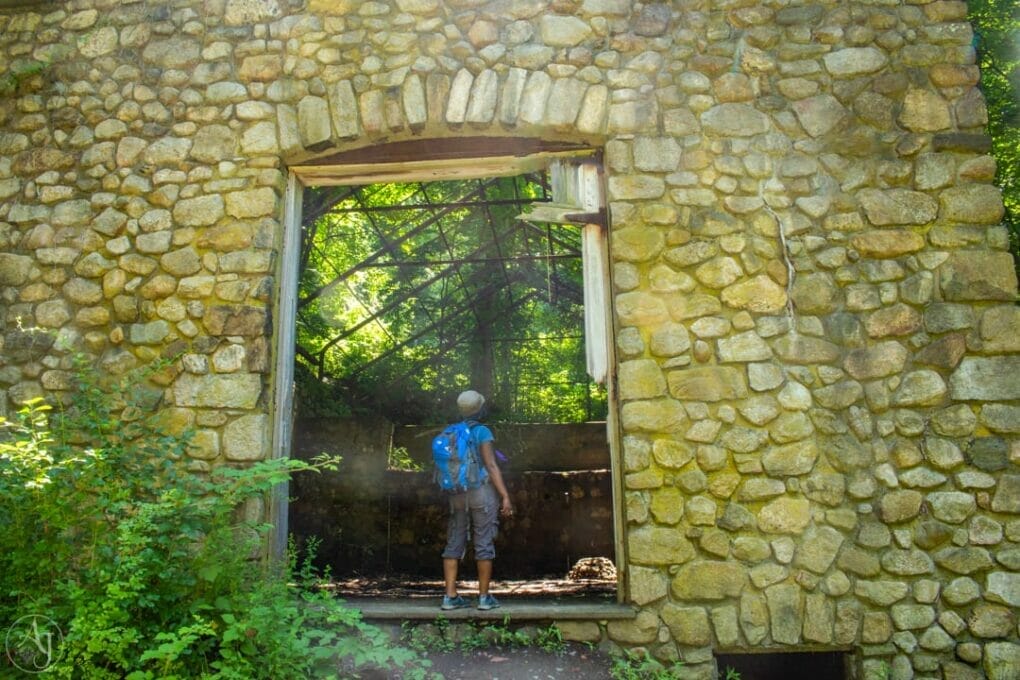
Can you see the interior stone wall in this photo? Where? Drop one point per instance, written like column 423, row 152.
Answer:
column 813, row 298
column 373, row 521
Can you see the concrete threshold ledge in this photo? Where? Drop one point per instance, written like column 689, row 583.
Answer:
column 410, row 609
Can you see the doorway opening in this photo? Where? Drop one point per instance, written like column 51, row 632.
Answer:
column 490, row 275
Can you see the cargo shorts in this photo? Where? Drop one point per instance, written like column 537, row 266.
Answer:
column 477, row 510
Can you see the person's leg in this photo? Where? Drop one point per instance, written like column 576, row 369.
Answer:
column 484, row 576
column 450, row 575
column 456, row 542
column 485, row 518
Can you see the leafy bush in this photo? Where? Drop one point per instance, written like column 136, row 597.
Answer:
column 152, row 570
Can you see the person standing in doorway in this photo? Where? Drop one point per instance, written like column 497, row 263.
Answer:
column 478, row 509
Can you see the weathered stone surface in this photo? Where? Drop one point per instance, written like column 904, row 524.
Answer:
column 235, row 320
column 971, row 204
column 734, row 120
column 656, row 415
column 245, row 438
column 986, row 379
column 641, row 379
column 920, row 388
column 1004, row 587
column 854, row 61
column 883, row 359
column 818, row 549
column 705, row 580
column 200, row 211
column 233, row 390
column 785, row 516
column 786, row 612
column 881, row 593
column 819, row 114
column 15, row 269
column 790, row 460
column 563, row 31
column 1002, row 660
column 803, row 349
column 887, row 243
column 647, row 585
column 897, row 206
column 991, row 621
column 1000, row 330
column 1007, row 495
column 754, row 614
column 659, row 545
column 978, row 275
column 640, row 630
column 759, row 294
column 815, row 294
column 688, row 625
column 899, row 506
column 709, row 383
column 963, row 560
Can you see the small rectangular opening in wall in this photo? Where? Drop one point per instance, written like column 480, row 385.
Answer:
column 783, row 666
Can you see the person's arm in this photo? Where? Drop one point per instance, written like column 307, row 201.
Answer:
column 489, row 460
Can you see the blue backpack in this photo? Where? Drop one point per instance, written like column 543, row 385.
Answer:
column 455, row 454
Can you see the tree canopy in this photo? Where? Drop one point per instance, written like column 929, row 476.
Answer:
column 997, row 41
column 410, row 293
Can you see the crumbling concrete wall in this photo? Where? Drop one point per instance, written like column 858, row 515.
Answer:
column 813, row 299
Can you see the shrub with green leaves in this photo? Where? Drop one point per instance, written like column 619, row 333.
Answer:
column 152, row 570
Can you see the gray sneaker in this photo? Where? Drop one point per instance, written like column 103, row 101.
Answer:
column 456, row 602
column 487, row 602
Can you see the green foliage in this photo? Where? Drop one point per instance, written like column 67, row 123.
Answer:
column 440, row 636
column 152, row 571
column 997, row 39
column 732, row 673
column 400, row 310
column 400, row 459
column 640, row 666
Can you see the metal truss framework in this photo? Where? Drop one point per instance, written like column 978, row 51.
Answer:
column 454, row 283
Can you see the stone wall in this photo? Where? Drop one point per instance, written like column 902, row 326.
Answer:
column 373, row 521
column 814, row 319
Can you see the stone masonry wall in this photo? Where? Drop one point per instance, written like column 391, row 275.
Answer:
column 814, row 305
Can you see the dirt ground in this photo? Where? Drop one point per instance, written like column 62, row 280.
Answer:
column 528, row 663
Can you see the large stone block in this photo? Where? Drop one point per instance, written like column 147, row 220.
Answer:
column 688, row 625
column 641, row 379
column 658, row 546
column 986, row 379
column 971, row 204
column 979, row 275
column 786, row 612
column 1000, row 330
column 734, row 120
column 246, row 438
column 881, row 360
column 230, row 390
column 818, row 549
column 656, row 415
column 708, row 580
column 897, row 206
column 707, row 383
column 785, row 516
column 759, row 294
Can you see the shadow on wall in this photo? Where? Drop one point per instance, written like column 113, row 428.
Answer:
column 376, row 521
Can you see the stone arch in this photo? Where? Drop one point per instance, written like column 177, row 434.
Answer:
column 515, row 103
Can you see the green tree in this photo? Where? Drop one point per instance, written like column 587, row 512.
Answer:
column 997, row 40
